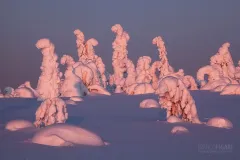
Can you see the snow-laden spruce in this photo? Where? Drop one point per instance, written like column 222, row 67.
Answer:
column 52, row 109
column 177, row 100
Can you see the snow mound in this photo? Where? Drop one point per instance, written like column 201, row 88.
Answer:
column 179, row 130
column 15, row 125
column 66, row 135
column 149, row 103
column 220, row 122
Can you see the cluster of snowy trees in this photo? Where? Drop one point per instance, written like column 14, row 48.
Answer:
column 88, row 76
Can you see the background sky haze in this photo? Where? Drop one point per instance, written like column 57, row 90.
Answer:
column 192, row 30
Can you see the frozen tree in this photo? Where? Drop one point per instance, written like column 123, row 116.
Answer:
column 102, row 70
column 49, row 80
column 187, row 80
column 98, row 89
column 237, row 72
column 25, row 91
column 223, row 59
column 176, row 99
column 155, row 67
column 88, row 57
column 190, row 82
column 51, row 111
column 119, row 59
column 174, row 119
column 87, row 76
column 231, row 89
column 143, row 70
column 91, row 60
column 96, row 74
column 219, row 88
column 80, row 40
column 27, row 84
column 120, row 43
column 84, row 73
column 131, row 74
column 72, row 84
column 89, row 48
column 215, row 77
column 221, row 70
column 164, row 67
column 140, row 88
column 130, row 89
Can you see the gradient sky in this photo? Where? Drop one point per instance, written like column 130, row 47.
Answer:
column 192, row 30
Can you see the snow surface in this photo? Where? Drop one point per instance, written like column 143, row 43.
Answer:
column 133, row 132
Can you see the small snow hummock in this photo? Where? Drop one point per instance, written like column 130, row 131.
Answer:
column 149, row 103
column 220, row 122
column 179, row 129
column 15, row 125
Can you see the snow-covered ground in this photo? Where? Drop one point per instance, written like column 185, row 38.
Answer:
column 134, row 133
